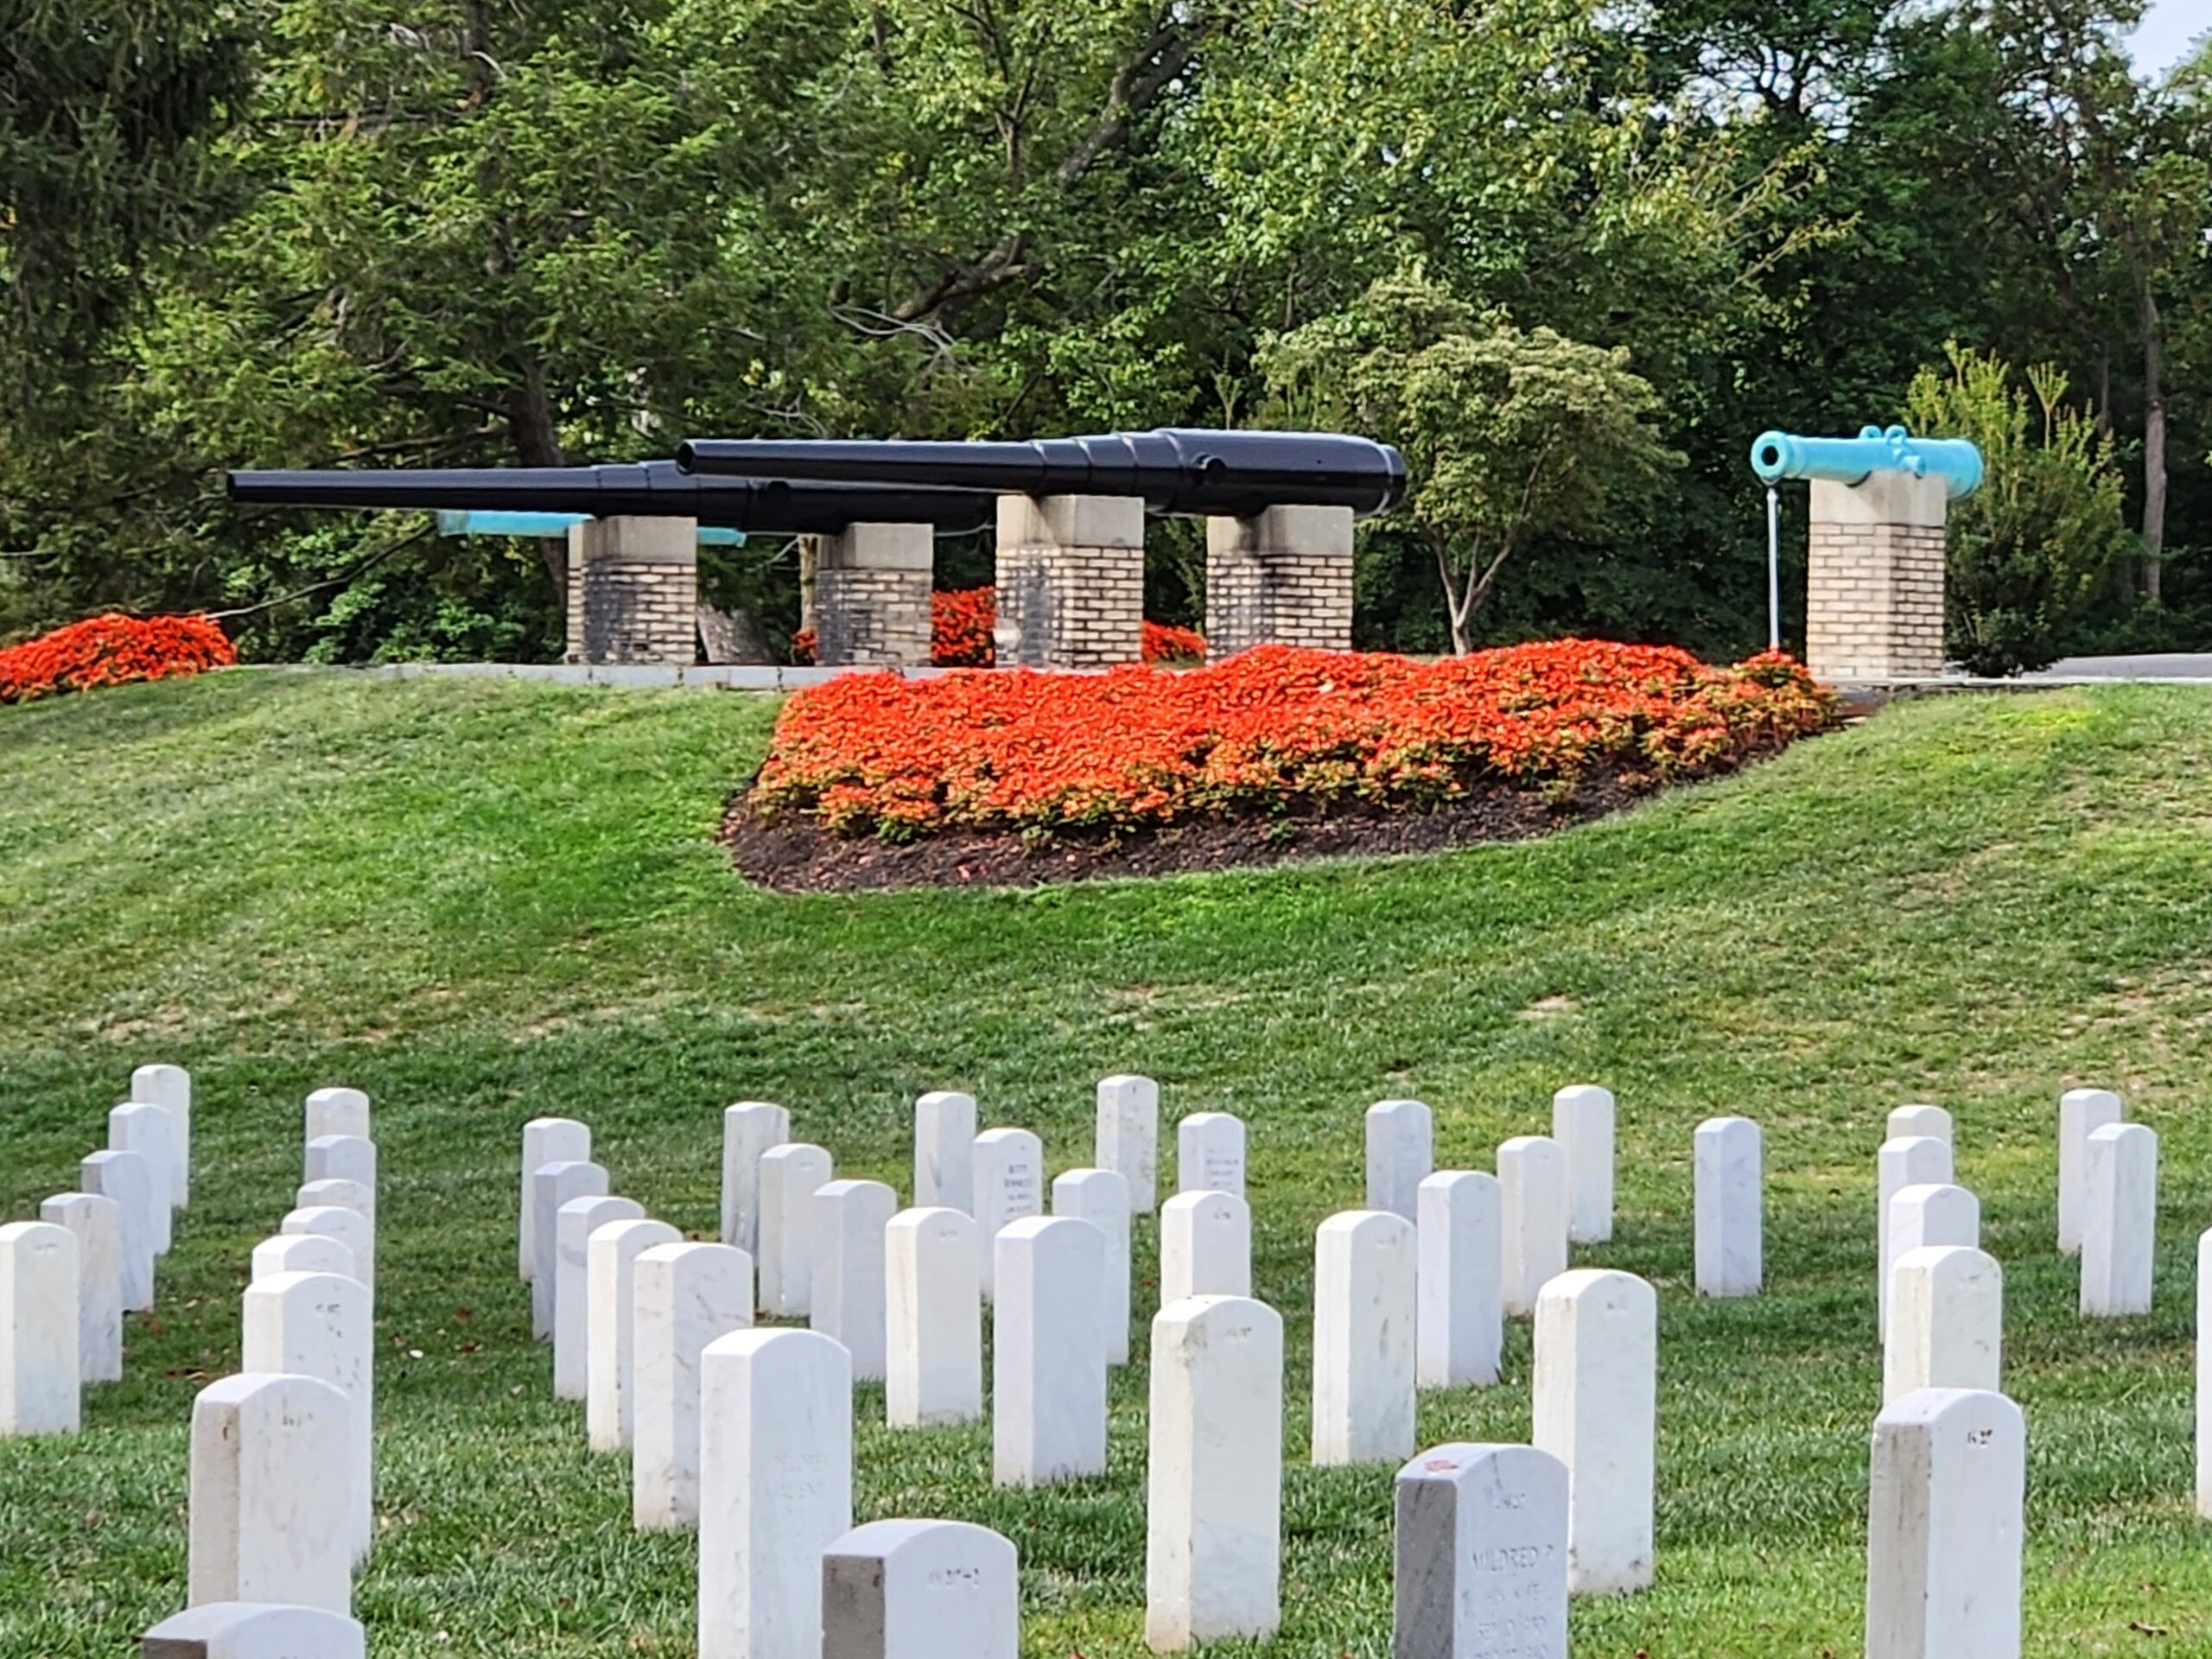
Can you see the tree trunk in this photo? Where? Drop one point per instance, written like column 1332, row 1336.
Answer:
column 2154, row 447
column 536, row 438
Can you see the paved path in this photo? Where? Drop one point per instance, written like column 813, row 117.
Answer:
column 2170, row 665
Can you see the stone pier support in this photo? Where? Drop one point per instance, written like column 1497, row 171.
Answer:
column 1874, row 604
column 872, row 596
column 1281, row 577
column 633, row 590
column 1071, row 580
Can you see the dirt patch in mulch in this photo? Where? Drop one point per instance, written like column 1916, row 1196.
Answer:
column 793, row 855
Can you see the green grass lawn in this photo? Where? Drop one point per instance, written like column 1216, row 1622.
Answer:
column 482, row 901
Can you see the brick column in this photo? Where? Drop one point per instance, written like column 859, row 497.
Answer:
column 1280, row 577
column 872, row 596
column 1071, row 580
column 633, row 590
column 1874, row 601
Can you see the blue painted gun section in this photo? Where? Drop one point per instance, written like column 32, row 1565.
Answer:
column 1778, row 455
column 452, row 522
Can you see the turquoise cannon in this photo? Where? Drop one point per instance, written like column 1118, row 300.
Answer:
column 460, row 522
column 1777, row 455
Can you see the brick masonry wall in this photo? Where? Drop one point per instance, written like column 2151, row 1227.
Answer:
column 1069, row 606
column 1874, row 606
column 632, row 613
column 865, row 615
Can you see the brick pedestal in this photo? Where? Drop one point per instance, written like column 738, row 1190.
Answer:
column 633, row 591
column 1070, row 581
column 1281, row 577
column 872, row 596
column 1874, row 605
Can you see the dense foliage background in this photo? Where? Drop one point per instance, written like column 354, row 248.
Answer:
column 323, row 231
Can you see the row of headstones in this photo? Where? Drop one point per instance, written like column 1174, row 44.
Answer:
column 1482, row 1557
column 67, row 1279
column 281, row 1508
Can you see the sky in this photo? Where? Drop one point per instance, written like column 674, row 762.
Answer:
column 2168, row 27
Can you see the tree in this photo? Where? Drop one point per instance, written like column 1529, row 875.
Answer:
column 2030, row 550
column 1508, row 434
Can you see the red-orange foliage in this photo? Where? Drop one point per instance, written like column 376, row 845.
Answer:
column 109, row 650
column 1273, row 729
column 960, row 634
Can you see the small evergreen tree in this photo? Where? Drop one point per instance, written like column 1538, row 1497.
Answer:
column 2034, row 547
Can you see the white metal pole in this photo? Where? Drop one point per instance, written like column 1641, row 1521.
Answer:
column 1773, row 569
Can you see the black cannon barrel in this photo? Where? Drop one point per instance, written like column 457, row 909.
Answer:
column 652, row 490
column 1176, row 470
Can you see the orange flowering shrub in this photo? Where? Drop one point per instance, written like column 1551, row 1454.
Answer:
column 959, row 627
column 960, row 634
column 1165, row 643
column 1272, row 730
column 109, row 650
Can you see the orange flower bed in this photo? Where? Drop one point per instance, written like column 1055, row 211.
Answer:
column 111, row 650
column 1271, row 731
column 960, row 634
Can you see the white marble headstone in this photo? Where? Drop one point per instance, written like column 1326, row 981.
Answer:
column 545, row 1141
column 169, row 1087
column 1730, row 1205
column 944, row 1146
column 1048, row 1352
column 1400, row 1154
column 775, row 1488
column 97, row 1223
column 271, row 1506
column 1210, row 1154
column 1480, row 1568
column 849, row 1294
column 128, row 1180
column 920, row 1589
column 254, row 1629
column 319, row 1324
column 1597, row 1364
column 1127, row 1140
column 133, row 1126
column 790, row 1177
column 41, row 1380
column 1944, row 1526
column 749, row 1128
column 2119, row 1232
column 1532, row 1203
column 1460, row 1325
column 579, row 1218
column 1102, row 1197
column 1582, row 1123
column 1213, row 1495
column 610, row 1339
column 1008, row 1169
column 1205, row 1247
column 1365, row 1271
column 684, row 1296
column 1947, row 1321
column 933, row 1362
column 2082, row 1112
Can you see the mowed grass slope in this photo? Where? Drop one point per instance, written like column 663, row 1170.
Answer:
column 482, row 901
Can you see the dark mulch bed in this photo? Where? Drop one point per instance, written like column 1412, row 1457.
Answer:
column 795, row 856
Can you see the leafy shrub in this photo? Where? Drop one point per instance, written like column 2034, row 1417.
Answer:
column 1270, row 731
column 111, row 650
column 2033, row 547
